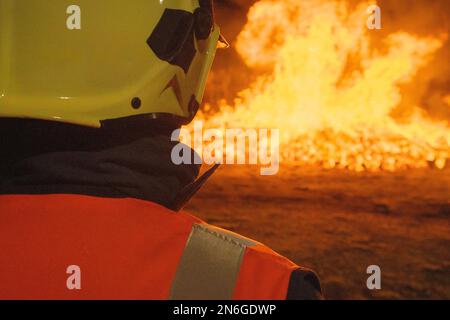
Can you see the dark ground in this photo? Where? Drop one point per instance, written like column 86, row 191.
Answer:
column 340, row 222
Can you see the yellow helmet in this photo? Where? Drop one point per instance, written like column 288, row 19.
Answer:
column 85, row 62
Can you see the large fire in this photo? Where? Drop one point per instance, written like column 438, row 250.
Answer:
column 332, row 92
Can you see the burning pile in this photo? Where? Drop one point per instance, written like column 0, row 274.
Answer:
column 331, row 93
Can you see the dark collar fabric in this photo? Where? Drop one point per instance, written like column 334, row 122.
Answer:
column 142, row 169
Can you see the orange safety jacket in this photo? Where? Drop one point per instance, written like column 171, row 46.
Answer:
column 128, row 249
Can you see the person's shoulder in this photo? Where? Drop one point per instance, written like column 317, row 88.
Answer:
column 304, row 285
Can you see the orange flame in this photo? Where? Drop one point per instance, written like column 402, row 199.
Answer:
column 331, row 93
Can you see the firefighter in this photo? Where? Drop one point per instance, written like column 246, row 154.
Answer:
column 90, row 201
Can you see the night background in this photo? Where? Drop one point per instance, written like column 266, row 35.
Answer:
column 364, row 177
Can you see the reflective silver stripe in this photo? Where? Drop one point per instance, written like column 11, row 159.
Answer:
column 210, row 264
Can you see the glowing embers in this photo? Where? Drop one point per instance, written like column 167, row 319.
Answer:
column 332, row 92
